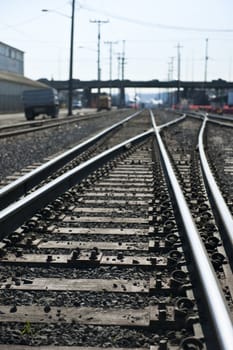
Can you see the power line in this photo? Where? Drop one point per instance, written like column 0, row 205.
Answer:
column 157, row 25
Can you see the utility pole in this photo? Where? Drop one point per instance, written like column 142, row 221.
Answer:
column 123, row 62
column 230, row 68
column 170, row 77
column 206, row 59
column 178, row 71
column 122, row 90
column 110, row 43
column 99, row 22
column 70, row 98
column 118, row 65
column 171, row 69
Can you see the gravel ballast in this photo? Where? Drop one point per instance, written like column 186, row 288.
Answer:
column 20, row 151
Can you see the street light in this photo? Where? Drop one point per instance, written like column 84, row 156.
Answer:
column 55, row 11
column 70, row 97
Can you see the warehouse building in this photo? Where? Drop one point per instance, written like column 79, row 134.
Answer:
column 11, row 89
column 12, row 80
column 11, row 59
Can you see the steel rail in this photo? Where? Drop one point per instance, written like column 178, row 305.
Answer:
column 21, row 186
column 48, row 121
column 34, row 125
column 219, row 122
column 32, row 122
column 177, row 120
column 223, row 210
column 36, row 128
column 217, row 307
column 223, row 117
column 197, row 114
column 51, row 123
column 19, row 125
column 15, row 214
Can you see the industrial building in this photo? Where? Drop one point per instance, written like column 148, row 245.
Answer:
column 12, row 80
column 11, row 59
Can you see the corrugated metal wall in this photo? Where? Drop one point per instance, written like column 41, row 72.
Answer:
column 11, row 65
column 11, row 96
column 11, row 59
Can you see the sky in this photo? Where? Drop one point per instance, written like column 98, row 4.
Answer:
column 149, row 31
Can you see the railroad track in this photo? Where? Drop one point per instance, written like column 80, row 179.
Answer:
column 21, row 183
column 10, row 130
column 116, row 252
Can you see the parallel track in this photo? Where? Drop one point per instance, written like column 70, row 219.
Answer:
column 71, row 158
column 11, row 130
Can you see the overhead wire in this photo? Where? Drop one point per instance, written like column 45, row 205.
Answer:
column 156, row 25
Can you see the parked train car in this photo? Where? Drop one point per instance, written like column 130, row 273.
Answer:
column 212, row 109
column 104, row 102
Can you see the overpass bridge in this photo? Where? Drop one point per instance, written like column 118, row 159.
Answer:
column 185, row 89
column 95, row 84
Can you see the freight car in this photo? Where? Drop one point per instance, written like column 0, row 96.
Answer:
column 212, row 109
column 104, row 102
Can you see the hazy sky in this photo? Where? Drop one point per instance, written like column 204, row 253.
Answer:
column 151, row 30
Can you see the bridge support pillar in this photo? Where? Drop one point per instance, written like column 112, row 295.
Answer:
column 87, row 97
column 122, row 97
column 185, row 93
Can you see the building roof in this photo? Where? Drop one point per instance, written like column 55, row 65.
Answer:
column 1, row 43
column 20, row 79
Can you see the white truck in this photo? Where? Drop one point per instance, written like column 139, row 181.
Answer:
column 40, row 101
